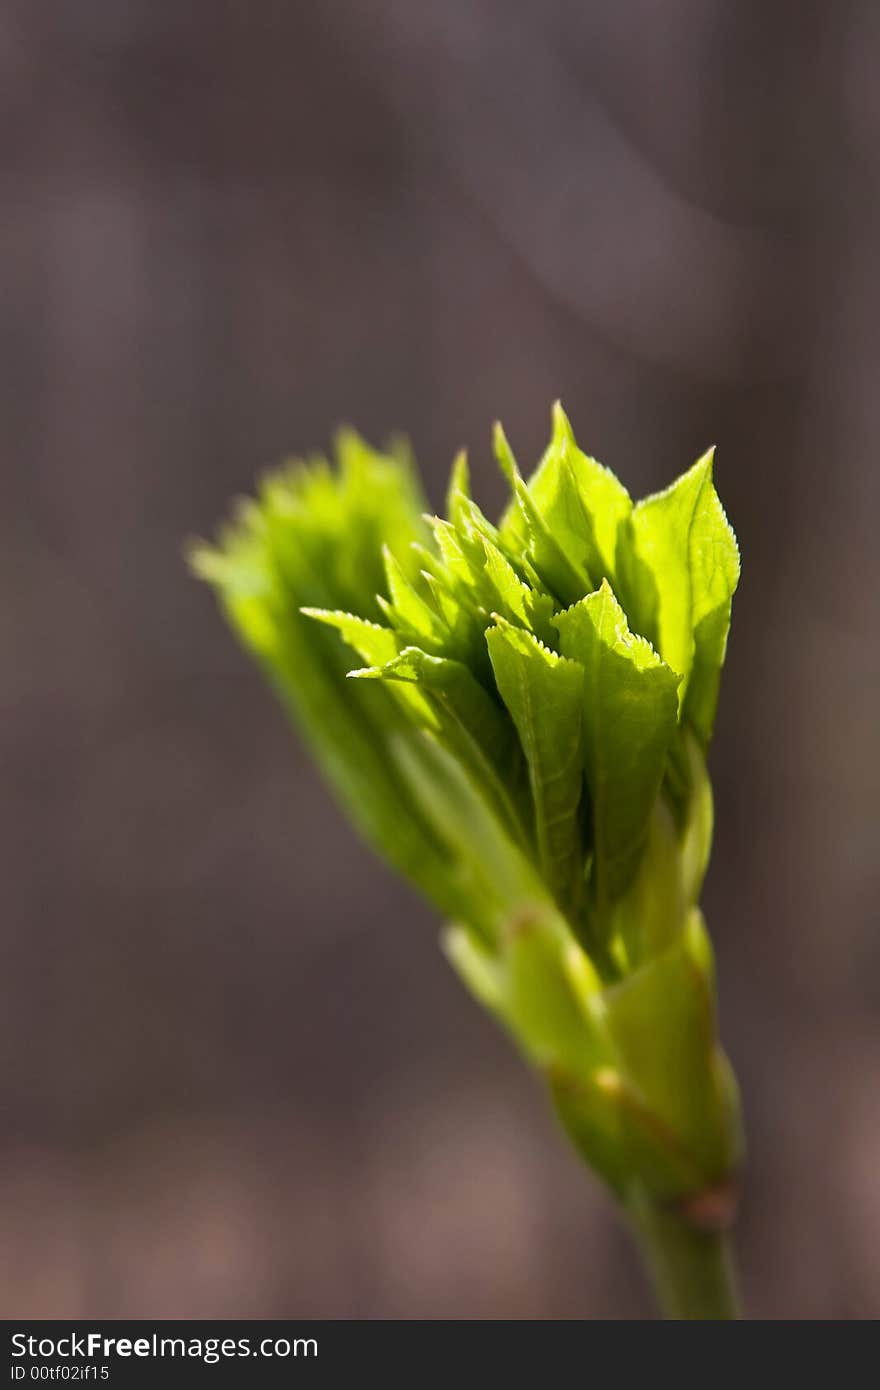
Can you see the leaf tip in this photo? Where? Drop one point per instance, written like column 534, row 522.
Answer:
column 562, row 430
column 706, row 461
column 504, row 453
column 460, row 474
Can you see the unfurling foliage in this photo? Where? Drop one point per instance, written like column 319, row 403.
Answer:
column 516, row 716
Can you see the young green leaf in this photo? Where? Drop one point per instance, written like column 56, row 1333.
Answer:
column 349, row 732
column 407, row 611
column 372, row 642
column 629, row 717
column 458, row 493
column 540, row 1005
column 544, row 695
column 492, row 874
column 662, row 1022
column 581, row 503
column 562, row 573
column 520, row 603
column 456, row 695
column 605, row 502
column 527, row 983
column 680, row 566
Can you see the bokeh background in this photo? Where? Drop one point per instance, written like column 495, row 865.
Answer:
column 237, row 1077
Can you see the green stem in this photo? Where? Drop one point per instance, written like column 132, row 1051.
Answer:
column 692, row 1270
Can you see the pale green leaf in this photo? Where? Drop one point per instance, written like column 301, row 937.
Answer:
column 515, row 600
column 492, row 874
column 563, row 575
column 662, row 1022
column 408, row 611
column 541, row 1007
column 454, row 554
column 604, row 501
column 459, row 491
column 372, row 642
column 679, row 564
column 348, row 732
column 544, row 695
column 527, row 984
column 456, row 693
column 630, row 711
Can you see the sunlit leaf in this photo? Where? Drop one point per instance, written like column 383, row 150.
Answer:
column 629, row 718
column 561, row 573
column 680, row 566
column 544, row 695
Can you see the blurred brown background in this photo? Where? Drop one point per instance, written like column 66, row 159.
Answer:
column 238, row 1078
